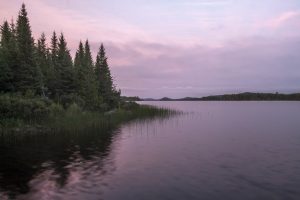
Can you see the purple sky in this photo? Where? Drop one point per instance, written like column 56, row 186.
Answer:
column 181, row 48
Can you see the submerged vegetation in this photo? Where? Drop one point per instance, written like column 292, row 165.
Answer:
column 43, row 89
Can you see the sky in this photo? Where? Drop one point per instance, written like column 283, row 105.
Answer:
column 180, row 48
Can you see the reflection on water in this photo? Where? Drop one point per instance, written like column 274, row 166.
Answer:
column 216, row 150
column 39, row 166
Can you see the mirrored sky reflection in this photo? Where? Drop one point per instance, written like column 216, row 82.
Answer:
column 181, row 47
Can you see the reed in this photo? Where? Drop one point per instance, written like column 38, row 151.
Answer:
column 76, row 120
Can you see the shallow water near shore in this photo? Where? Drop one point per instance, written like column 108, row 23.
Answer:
column 214, row 150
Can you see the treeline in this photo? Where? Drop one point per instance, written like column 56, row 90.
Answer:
column 30, row 67
column 246, row 96
column 135, row 98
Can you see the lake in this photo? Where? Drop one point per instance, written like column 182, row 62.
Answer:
column 214, row 150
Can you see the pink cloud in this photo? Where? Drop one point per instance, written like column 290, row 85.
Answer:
column 75, row 25
column 282, row 19
column 249, row 64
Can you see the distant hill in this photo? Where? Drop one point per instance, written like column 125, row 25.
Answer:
column 124, row 98
column 246, row 96
column 165, row 99
column 149, row 99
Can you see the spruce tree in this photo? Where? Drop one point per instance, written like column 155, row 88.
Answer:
column 65, row 73
column 6, row 57
column 42, row 61
column 42, row 53
column 6, row 36
column 54, row 47
column 105, row 82
column 79, row 56
column 85, row 77
column 88, row 60
column 26, row 73
column 91, row 94
column 53, row 65
column 79, row 66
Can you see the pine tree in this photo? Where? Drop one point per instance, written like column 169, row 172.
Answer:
column 26, row 72
column 65, row 73
column 6, row 57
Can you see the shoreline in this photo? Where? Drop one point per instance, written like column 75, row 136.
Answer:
column 76, row 120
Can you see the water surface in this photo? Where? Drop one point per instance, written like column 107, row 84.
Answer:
column 216, row 150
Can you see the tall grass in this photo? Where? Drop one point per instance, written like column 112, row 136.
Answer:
column 76, row 120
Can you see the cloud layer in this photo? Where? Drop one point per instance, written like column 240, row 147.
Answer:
column 252, row 64
column 181, row 48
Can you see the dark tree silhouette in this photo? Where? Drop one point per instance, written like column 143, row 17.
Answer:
column 26, row 76
column 35, row 69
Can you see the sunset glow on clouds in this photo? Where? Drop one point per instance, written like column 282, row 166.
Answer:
column 182, row 47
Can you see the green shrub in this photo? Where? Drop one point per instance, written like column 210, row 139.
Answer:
column 97, row 105
column 56, row 110
column 129, row 105
column 73, row 109
column 68, row 100
column 13, row 106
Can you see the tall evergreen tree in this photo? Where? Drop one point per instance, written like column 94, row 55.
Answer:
column 79, row 66
column 79, row 56
column 54, row 47
column 65, row 72
column 6, row 35
column 92, row 93
column 6, row 57
column 86, row 80
column 104, row 78
column 42, row 61
column 26, row 72
column 88, row 60
column 53, row 65
column 42, row 53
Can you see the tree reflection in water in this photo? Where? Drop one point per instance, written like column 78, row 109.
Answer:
column 41, row 164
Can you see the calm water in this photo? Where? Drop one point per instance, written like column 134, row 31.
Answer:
column 216, row 150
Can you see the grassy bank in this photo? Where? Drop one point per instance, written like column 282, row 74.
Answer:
column 31, row 115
